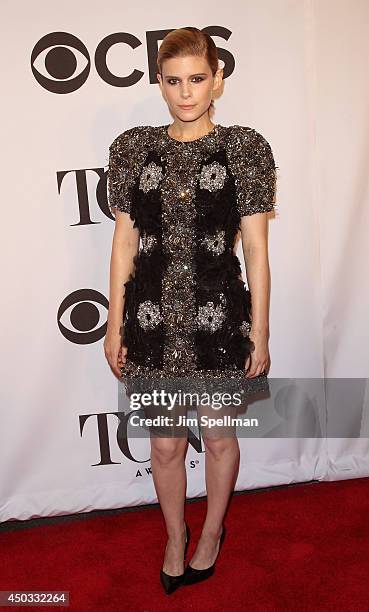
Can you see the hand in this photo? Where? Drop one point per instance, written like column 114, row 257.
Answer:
column 115, row 352
column 122, row 355
column 260, row 358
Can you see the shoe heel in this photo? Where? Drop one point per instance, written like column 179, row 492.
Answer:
column 172, row 583
column 221, row 540
column 193, row 575
column 188, row 535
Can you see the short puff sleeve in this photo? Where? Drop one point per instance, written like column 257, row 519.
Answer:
column 252, row 164
column 125, row 162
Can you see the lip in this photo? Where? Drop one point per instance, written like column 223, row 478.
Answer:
column 186, row 106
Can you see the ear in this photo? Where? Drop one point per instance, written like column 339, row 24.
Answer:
column 218, row 78
column 160, row 83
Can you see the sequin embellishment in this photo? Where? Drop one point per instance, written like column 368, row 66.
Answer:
column 245, row 328
column 211, row 317
column 151, row 176
column 178, row 284
column 149, row 315
column 215, row 242
column 212, row 176
column 149, row 241
column 170, row 218
column 251, row 162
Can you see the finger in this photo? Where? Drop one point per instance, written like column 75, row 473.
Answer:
column 114, row 364
column 251, row 374
column 261, row 370
column 116, row 371
column 254, row 371
column 251, row 362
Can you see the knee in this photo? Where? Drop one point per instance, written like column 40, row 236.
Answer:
column 218, row 446
column 215, row 445
column 166, row 450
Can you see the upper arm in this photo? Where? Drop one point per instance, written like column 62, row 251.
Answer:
column 253, row 167
column 254, row 232
column 126, row 234
column 126, row 157
column 122, row 172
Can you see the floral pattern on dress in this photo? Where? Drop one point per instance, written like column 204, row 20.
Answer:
column 151, row 176
column 212, row 176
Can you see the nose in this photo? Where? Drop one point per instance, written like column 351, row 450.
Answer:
column 185, row 92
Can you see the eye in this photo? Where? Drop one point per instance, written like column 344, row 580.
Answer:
column 196, row 79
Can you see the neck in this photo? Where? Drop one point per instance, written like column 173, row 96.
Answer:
column 190, row 130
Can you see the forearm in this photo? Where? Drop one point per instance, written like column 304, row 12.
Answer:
column 258, row 280
column 121, row 266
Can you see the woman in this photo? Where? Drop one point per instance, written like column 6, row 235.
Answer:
column 187, row 189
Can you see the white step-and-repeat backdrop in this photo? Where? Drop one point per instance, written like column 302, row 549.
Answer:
column 74, row 77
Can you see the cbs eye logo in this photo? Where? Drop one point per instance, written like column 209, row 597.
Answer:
column 79, row 316
column 61, row 63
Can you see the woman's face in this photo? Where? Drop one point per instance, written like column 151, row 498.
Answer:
column 188, row 82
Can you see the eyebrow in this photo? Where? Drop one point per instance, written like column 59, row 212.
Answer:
column 172, row 76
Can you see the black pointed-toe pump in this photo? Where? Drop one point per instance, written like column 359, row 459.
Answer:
column 193, row 575
column 172, row 583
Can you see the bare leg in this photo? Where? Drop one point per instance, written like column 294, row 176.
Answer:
column 221, row 470
column 170, row 481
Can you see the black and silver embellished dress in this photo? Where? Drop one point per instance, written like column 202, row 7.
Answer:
column 187, row 312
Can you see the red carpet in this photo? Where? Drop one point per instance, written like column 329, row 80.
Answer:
column 302, row 547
